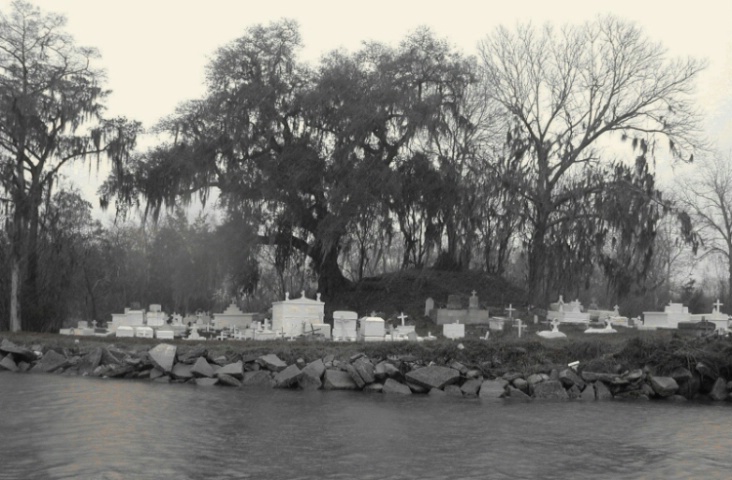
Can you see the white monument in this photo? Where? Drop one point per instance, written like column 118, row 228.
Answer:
column 155, row 316
column 719, row 319
column 344, row 325
column 233, row 317
column 372, row 329
column 672, row 314
column 567, row 312
column 553, row 333
column 289, row 315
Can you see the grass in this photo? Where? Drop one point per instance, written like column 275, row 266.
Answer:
column 662, row 351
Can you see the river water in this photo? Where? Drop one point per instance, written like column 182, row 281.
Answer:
column 54, row 427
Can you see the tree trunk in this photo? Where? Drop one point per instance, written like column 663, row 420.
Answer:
column 15, row 324
column 330, row 276
column 538, row 293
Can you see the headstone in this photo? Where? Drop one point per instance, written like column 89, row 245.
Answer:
column 429, row 305
column 473, row 302
column 454, row 302
column 453, row 330
column 194, row 334
column 233, row 317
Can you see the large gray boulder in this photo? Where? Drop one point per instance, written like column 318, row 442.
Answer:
column 163, row 356
column 235, row 370
column 288, row 377
column 433, row 376
column 471, row 387
column 492, row 389
column 312, row 374
column 365, row 369
column 90, row 361
column 338, row 380
column 228, row 381
column 19, row 353
column 50, row 362
column 202, row 368
column 7, row 363
column 719, row 390
column 182, row 371
column 272, row 362
column 550, row 390
column 392, row 386
column 258, row 378
column 664, row 386
column 191, row 354
column 569, row 377
column 601, row 391
column 357, row 379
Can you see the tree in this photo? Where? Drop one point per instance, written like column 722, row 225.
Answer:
column 51, row 104
column 707, row 195
column 302, row 151
column 567, row 95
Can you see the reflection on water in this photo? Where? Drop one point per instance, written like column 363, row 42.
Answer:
column 54, row 427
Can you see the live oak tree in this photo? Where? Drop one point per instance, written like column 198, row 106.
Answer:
column 302, row 152
column 51, row 105
column 567, row 95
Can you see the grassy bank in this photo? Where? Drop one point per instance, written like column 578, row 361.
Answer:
column 661, row 351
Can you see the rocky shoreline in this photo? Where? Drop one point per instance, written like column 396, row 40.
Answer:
column 402, row 375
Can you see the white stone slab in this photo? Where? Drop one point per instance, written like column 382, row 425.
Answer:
column 372, row 327
column 344, row 325
column 165, row 334
column 453, row 330
column 125, row 331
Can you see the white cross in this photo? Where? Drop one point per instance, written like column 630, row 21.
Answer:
column 373, row 313
column 555, row 325
column 402, row 317
column 94, row 322
column 510, row 310
column 717, row 305
column 474, row 292
column 302, row 294
column 287, row 295
column 520, row 326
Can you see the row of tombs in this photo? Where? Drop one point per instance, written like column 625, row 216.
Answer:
column 303, row 316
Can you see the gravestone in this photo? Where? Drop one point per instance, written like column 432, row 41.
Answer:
column 454, row 302
column 453, row 330
column 429, row 305
column 473, row 302
column 155, row 316
column 672, row 314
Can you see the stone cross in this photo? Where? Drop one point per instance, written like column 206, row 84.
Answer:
column 94, row 322
column 402, row 317
column 717, row 304
column 317, row 296
column 616, row 310
column 373, row 313
column 302, row 294
column 473, row 292
column 555, row 325
column 520, row 326
column 510, row 310
column 287, row 295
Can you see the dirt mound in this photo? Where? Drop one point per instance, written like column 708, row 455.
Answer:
column 407, row 291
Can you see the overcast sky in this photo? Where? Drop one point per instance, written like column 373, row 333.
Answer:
column 155, row 51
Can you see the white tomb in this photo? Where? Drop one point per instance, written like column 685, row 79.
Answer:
column 125, row 331
column 372, row 329
column 344, row 325
column 318, row 329
column 233, row 317
column 194, row 334
column 289, row 315
column 155, row 316
column 144, row 332
column 453, row 330
column 553, row 333
column 165, row 333
column 567, row 312
column 671, row 316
